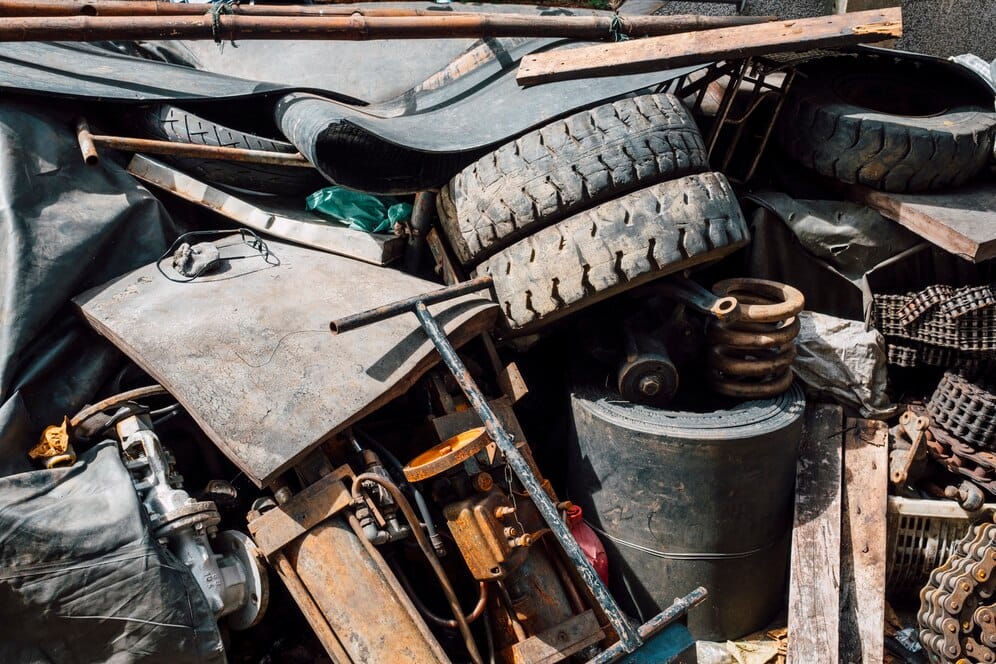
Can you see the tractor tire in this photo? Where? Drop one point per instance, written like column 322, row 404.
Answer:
column 565, row 167
column 612, row 247
column 886, row 125
column 170, row 123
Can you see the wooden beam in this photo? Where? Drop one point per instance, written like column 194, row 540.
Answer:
column 962, row 222
column 863, row 545
column 656, row 53
column 813, row 611
column 845, row 6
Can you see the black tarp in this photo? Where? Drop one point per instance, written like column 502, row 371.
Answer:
column 80, row 578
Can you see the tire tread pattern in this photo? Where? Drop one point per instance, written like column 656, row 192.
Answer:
column 171, row 123
column 648, row 233
column 566, row 166
column 890, row 153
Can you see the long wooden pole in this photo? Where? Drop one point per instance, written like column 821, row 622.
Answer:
column 353, row 27
column 644, row 55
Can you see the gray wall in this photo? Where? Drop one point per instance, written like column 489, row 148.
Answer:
column 937, row 27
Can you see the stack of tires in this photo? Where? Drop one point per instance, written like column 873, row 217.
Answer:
column 588, row 206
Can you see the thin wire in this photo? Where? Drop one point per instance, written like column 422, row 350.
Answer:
column 249, row 238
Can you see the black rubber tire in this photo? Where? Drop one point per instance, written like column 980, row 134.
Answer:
column 615, row 246
column 171, row 123
column 830, row 125
column 566, row 166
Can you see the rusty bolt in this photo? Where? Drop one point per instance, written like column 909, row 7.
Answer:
column 650, row 385
column 511, row 531
column 503, row 511
column 483, row 482
column 522, row 540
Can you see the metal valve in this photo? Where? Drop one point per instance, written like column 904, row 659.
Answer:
column 225, row 564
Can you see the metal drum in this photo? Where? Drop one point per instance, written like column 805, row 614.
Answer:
column 688, row 499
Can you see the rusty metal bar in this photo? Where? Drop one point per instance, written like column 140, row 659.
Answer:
column 89, row 142
column 163, row 8
column 87, row 146
column 654, row 626
column 353, row 27
column 354, row 321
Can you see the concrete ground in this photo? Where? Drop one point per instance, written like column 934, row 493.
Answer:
column 937, row 27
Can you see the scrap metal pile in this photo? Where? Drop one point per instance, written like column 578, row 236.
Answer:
column 504, row 338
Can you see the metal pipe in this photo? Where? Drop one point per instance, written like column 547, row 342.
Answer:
column 87, row 146
column 116, row 400
column 409, row 513
column 654, row 626
column 88, row 142
column 629, row 637
column 225, row 27
column 422, row 211
column 161, row 8
column 482, row 603
column 348, row 323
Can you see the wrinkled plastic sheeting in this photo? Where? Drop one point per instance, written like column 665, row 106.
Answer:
column 64, row 227
column 841, row 358
column 82, row 579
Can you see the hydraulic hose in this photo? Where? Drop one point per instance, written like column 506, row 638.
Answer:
column 409, row 513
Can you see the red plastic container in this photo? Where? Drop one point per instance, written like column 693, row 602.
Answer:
column 589, row 542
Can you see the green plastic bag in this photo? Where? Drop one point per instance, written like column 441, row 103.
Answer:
column 363, row 212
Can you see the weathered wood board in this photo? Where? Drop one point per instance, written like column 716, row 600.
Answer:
column 656, row 53
column 249, row 354
column 863, row 542
column 813, row 611
column 273, row 217
column 962, row 222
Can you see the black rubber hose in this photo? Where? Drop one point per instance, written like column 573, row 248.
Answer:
column 423, row 507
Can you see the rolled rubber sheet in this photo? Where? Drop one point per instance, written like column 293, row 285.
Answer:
column 421, row 138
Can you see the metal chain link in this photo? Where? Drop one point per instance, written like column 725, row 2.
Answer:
column 957, row 617
column 965, row 410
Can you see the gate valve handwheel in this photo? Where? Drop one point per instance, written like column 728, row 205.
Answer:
column 448, row 454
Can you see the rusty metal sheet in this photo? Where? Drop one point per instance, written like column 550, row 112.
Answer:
column 278, row 527
column 248, row 352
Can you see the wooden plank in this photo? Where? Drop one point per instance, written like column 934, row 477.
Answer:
column 274, row 217
column 961, row 222
column 247, row 350
column 815, row 568
column 844, row 6
column 656, row 53
column 863, row 542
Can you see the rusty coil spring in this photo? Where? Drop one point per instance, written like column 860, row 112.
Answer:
column 751, row 351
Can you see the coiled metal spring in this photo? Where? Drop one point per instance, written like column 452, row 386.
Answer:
column 751, row 351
